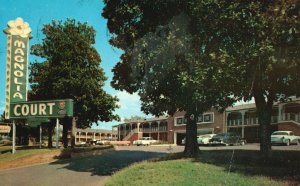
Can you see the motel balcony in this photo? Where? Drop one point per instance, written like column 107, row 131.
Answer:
column 145, row 130
column 274, row 119
column 155, row 129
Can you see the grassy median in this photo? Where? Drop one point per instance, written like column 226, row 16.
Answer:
column 7, row 156
column 214, row 168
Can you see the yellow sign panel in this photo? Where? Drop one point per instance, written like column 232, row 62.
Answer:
column 4, row 129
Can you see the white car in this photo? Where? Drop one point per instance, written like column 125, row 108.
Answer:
column 202, row 139
column 102, row 142
column 284, row 137
column 144, row 141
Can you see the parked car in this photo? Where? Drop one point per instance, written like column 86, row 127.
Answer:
column 183, row 141
column 102, row 142
column 227, row 139
column 144, row 141
column 93, row 142
column 204, row 139
column 284, row 137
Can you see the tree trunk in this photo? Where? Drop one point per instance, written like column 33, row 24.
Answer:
column 51, row 125
column 191, row 144
column 66, row 128
column 264, row 112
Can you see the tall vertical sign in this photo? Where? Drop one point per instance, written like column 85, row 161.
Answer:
column 18, row 35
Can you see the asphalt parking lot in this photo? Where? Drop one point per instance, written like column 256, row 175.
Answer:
column 179, row 148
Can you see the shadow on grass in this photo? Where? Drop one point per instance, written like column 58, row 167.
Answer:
column 107, row 164
column 282, row 165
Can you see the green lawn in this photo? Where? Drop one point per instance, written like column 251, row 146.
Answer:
column 183, row 172
column 222, row 167
column 6, row 155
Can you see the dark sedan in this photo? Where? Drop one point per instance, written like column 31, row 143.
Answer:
column 227, row 139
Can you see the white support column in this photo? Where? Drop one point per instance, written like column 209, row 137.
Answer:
column 100, row 136
column 130, row 127
column 57, row 132
column 175, row 138
column 79, row 137
column 243, row 112
column 85, row 136
column 94, row 136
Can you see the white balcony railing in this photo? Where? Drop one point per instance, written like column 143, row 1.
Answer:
column 274, row 119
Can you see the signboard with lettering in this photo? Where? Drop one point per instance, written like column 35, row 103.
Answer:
column 4, row 129
column 18, row 35
column 46, row 109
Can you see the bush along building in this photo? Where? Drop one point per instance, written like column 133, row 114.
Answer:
column 240, row 119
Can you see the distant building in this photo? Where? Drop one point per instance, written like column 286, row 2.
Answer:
column 86, row 135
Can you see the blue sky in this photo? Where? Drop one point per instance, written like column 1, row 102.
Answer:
column 40, row 12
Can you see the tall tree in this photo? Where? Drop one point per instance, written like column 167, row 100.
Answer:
column 246, row 49
column 257, row 45
column 71, row 70
column 160, row 64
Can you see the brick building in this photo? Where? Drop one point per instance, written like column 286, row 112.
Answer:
column 241, row 119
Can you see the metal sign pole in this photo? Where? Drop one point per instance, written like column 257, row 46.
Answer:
column 40, row 136
column 57, row 131
column 14, row 138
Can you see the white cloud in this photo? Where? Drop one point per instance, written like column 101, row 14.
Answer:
column 130, row 105
column 128, row 101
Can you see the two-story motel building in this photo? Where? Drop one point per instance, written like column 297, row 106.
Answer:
column 241, row 119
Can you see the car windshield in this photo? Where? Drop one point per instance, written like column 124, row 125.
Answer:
column 279, row 133
column 206, row 136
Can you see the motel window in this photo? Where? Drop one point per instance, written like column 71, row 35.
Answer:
column 200, row 119
column 180, row 121
column 205, row 118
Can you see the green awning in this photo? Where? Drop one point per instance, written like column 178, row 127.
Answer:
column 205, row 131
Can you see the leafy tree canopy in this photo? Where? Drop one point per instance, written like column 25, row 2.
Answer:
column 190, row 55
column 71, row 70
column 161, row 64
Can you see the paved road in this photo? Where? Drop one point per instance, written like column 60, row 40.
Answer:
column 95, row 169
column 84, row 171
